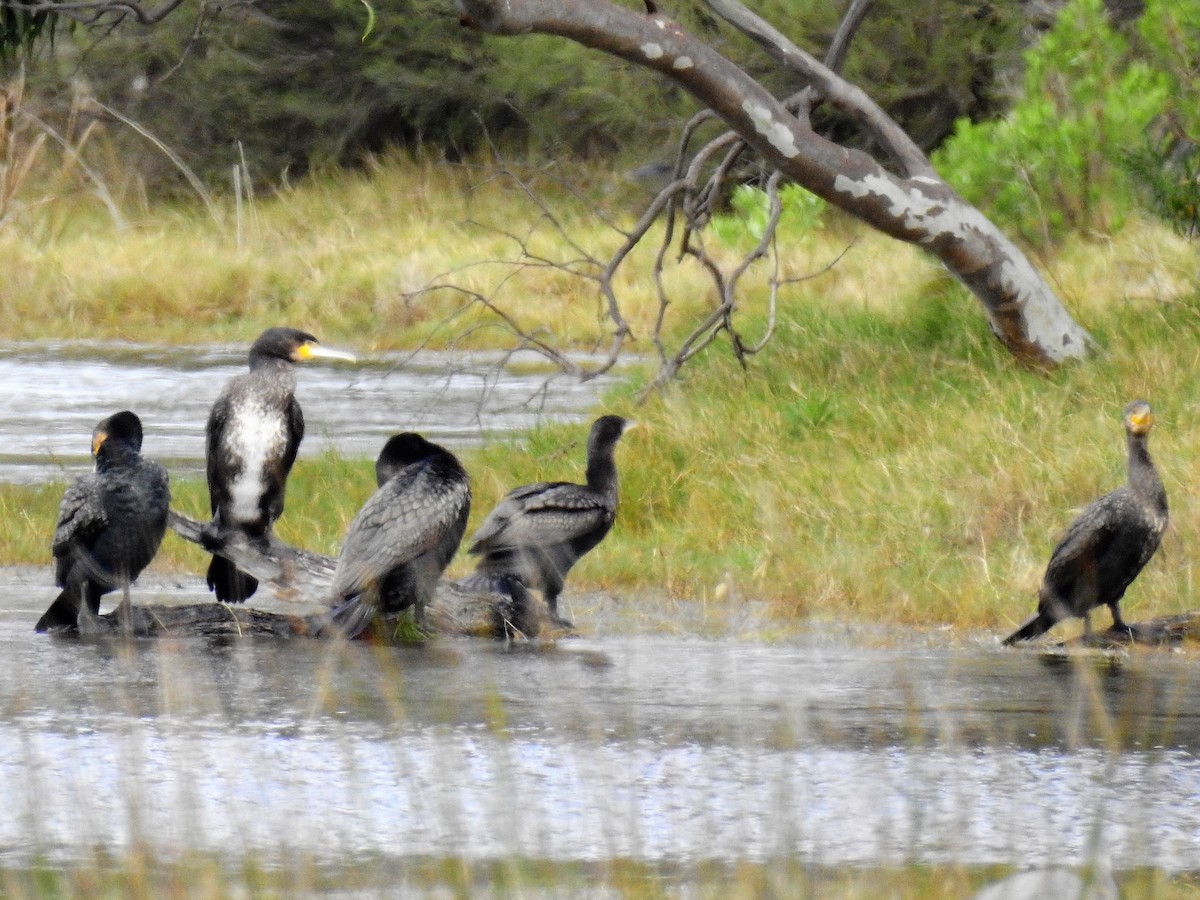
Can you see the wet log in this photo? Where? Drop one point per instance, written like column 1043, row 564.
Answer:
column 1158, row 632
column 202, row 620
column 477, row 605
column 1162, row 631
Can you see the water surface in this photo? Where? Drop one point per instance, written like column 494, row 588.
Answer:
column 835, row 748
column 54, row 394
column 662, row 735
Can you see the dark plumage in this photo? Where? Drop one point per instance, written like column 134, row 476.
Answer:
column 1107, row 546
column 253, row 434
column 110, row 523
column 538, row 532
column 404, row 536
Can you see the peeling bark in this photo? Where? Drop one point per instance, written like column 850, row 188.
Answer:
column 915, row 206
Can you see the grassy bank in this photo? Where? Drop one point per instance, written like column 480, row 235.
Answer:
column 142, row 876
column 349, row 255
column 883, row 460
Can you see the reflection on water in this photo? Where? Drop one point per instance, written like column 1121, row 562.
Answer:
column 830, row 747
column 54, row 394
column 620, row 745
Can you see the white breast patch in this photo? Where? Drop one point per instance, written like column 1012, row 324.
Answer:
column 256, row 434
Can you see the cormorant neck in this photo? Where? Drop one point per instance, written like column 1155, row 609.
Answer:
column 602, row 474
column 115, row 455
column 265, row 360
column 1143, row 476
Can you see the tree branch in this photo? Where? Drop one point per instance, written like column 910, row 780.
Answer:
column 825, row 82
column 835, row 56
column 91, row 11
column 919, row 209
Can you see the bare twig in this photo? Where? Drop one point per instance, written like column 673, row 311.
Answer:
column 835, row 56
column 740, row 348
column 89, row 12
column 72, row 151
column 825, row 82
column 166, row 151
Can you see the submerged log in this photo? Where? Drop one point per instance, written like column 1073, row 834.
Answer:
column 1157, row 632
column 1162, row 631
column 478, row 605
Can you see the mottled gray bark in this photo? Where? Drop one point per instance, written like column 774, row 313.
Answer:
column 915, row 206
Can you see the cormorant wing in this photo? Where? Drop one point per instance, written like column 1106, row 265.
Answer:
column 218, row 421
column 541, row 515
column 1087, row 540
column 510, row 505
column 295, row 426
column 409, row 516
column 80, row 518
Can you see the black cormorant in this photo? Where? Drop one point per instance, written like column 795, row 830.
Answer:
column 110, row 523
column 1107, row 546
column 404, row 536
column 253, row 433
column 538, row 532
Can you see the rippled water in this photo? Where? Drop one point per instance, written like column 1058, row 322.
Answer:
column 836, row 748
column 832, row 746
column 54, row 394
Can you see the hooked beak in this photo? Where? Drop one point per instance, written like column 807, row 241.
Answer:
column 98, row 440
column 310, row 350
column 1141, row 420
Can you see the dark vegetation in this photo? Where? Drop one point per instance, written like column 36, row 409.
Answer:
column 294, row 84
column 281, row 87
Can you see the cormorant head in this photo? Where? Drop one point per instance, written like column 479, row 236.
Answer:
column 401, row 450
column 290, row 345
column 117, row 436
column 606, row 431
column 1139, row 418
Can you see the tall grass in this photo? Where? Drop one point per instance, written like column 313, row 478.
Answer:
column 348, row 255
column 200, row 877
column 884, row 458
column 894, row 468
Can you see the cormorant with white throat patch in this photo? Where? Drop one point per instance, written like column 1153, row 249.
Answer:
column 253, row 434
column 110, row 524
column 538, row 532
column 404, row 536
column 1106, row 547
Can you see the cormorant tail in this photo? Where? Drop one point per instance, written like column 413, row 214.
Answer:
column 63, row 613
column 351, row 618
column 230, row 583
column 1035, row 625
column 516, row 612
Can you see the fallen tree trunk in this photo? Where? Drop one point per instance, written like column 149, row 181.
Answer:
column 1157, row 632
column 914, row 205
column 478, row 605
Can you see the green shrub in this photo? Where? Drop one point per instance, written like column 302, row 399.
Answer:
column 1054, row 163
column 291, row 85
column 1167, row 164
column 750, row 210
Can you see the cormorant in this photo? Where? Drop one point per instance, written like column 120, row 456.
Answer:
column 1107, row 546
column 110, row 523
column 404, row 536
column 253, row 433
column 538, row 532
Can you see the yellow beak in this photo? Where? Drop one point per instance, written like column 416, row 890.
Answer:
column 1141, row 421
column 308, row 350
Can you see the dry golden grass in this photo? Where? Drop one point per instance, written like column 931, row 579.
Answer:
column 883, row 457
column 141, row 875
column 895, row 465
